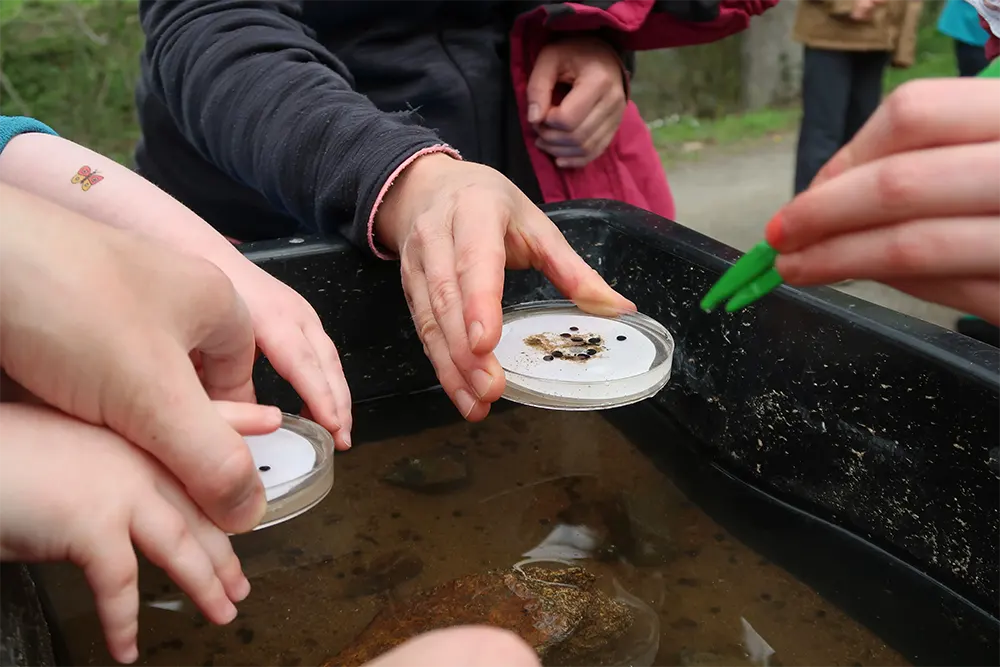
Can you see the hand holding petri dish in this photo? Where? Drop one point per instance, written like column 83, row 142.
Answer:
column 295, row 463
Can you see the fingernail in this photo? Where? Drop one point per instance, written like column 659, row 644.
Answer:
column 464, row 402
column 625, row 309
column 347, row 441
column 774, row 233
column 476, row 332
column 131, row 654
column 481, row 382
column 228, row 614
column 604, row 309
column 534, row 113
column 242, row 590
column 561, row 163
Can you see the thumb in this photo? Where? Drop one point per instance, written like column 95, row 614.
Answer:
column 541, row 83
column 173, row 420
column 249, row 418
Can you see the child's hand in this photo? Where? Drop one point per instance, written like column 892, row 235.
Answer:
column 100, row 323
column 912, row 201
column 581, row 126
column 290, row 334
column 74, row 491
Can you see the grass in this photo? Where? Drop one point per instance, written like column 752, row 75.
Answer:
column 689, row 133
column 680, row 136
column 73, row 65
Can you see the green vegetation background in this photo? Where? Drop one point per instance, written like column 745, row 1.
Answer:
column 73, row 64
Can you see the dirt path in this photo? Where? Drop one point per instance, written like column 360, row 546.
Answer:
column 729, row 194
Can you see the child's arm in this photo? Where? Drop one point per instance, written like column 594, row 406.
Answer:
column 287, row 329
column 47, row 165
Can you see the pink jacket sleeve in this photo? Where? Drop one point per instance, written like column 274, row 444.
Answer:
column 992, row 44
column 638, row 25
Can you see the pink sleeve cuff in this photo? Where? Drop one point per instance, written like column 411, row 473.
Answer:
column 440, row 148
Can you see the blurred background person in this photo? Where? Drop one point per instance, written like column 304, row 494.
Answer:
column 960, row 21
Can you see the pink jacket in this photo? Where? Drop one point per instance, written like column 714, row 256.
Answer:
column 992, row 44
column 630, row 169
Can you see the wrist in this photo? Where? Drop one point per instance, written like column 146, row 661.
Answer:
column 402, row 195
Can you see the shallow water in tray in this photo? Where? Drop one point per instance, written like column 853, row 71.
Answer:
column 451, row 509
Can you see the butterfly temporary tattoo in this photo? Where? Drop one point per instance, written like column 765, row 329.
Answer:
column 87, row 177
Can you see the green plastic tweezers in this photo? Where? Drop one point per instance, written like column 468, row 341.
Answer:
column 754, row 275
column 747, row 280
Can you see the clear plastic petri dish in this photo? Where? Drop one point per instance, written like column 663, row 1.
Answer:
column 556, row 356
column 295, row 463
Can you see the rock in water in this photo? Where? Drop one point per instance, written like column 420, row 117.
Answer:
column 560, row 613
column 435, row 472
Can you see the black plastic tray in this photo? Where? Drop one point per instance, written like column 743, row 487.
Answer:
column 878, row 424
column 856, row 447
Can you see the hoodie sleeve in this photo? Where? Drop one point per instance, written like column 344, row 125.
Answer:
column 255, row 93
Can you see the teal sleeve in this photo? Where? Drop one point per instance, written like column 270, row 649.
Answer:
column 11, row 126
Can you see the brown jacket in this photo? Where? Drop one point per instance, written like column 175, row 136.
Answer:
column 827, row 24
